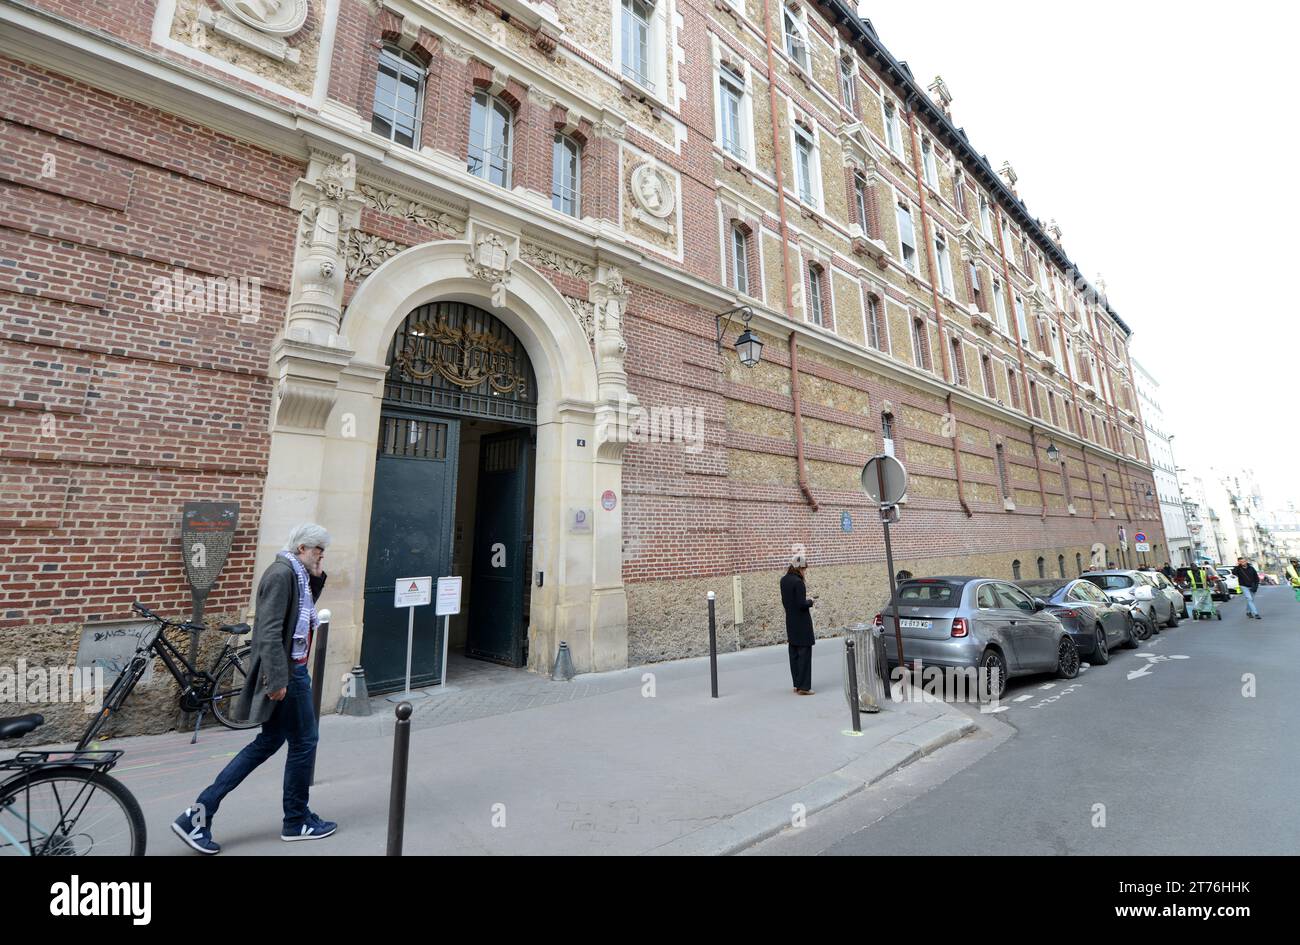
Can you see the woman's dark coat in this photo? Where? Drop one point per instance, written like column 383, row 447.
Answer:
column 798, row 621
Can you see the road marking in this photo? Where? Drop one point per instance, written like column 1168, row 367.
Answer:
column 1050, row 685
column 1152, row 659
column 1022, row 698
column 138, row 767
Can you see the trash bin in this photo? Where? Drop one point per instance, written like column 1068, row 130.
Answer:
column 873, row 684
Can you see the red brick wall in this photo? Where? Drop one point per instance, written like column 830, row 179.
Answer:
column 113, row 412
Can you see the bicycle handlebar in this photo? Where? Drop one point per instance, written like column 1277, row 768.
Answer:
column 183, row 625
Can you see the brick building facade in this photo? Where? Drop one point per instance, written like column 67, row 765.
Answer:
column 596, row 179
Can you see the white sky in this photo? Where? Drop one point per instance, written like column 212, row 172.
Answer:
column 1157, row 135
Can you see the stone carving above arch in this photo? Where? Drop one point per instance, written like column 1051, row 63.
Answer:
column 274, row 17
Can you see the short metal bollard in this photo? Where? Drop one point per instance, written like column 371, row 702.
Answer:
column 713, row 645
column 318, row 663
column 850, row 654
column 397, row 792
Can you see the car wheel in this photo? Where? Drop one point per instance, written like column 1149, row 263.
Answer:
column 1131, row 641
column 1100, row 652
column 1067, row 658
column 990, row 661
column 1173, row 618
column 1143, row 627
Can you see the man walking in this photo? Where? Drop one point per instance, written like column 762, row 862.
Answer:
column 277, row 693
column 1248, row 577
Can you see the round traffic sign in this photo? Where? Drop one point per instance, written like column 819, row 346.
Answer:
column 1140, row 537
column 888, row 470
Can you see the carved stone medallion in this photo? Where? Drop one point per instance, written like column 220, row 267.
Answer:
column 276, row 17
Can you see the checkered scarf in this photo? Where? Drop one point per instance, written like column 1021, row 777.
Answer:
column 307, row 619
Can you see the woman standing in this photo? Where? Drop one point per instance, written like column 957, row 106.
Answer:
column 798, row 624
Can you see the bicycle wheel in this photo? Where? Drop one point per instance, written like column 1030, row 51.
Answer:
column 231, row 679
column 69, row 811
column 117, row 693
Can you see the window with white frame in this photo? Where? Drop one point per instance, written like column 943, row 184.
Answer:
column 893, row 129
column 990, row 384
column 796, row 39
column 976, row 287
column 920, row 344
column 848, row 82
column 1013, row 385
column 399, row 90
column 986, row 217
column 959, row 192
column 944, row 262
column 860, row 203
column 638, row 42
column 490, row 125
column 566, row 175
column 805, row 165
column 816, row 282
column 929, row 163
column 732, row 113
column 906, row 237
column 1000, row 305
column 958, row 363
column 1022, row 323
column 875, row 323
column 739, row 259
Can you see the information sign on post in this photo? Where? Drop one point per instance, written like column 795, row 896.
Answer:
column 884, row 480
column 411, row 592
column 448, row 604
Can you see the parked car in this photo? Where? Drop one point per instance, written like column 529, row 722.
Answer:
column 1229, row 580
column 1132, row 587
column 978, row 622
column 1218, row 590
column 1096, row 623
column 1170, row 590
column 1269, row 579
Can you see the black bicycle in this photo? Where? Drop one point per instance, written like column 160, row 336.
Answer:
column 201, row 691
column 65, row 803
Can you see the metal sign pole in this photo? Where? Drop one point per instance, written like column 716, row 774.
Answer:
column 886, row 512
column 410, row 641
column 446, row 640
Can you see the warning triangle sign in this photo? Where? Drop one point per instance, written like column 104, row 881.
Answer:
column 413, row 587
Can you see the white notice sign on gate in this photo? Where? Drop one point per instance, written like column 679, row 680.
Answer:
column 448, row 596
column 413, row 591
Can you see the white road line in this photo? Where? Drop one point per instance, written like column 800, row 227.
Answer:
column 1017, row 699
column 1050, row 685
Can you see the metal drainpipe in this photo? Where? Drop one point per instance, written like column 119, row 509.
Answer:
column 929, row 243
column 776, row 157
column 798, row 421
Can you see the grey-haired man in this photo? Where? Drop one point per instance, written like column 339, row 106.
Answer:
column 277, row 694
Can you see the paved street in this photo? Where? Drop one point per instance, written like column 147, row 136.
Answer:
column 1163, row 737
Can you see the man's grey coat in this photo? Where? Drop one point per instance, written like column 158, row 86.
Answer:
column 273, row 626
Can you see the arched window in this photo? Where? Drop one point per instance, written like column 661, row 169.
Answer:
column 816, row 294
column 490, row 124
column 887, row 433
column 1060, row 565
column 1042, row 567
column 399, row 90
column 1078, row 562
column 566, row 175
column 740, row 259
column 875, row 323
column 1015, row 569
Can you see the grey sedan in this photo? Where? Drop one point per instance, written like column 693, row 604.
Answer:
column 1134, row 587
column 978, row 622
column 1097, row 624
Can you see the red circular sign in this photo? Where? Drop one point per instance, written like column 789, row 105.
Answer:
column 609, row 501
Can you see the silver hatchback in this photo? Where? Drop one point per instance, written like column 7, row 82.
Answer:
column 981, row 622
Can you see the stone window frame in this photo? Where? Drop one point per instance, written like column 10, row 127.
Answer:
column 986, row 373
column 659, row 76
column 874, row 298
column 749, row 241
column 893, row 127
column 740, row 68
column 943, row 262
column 920, row 337
column 848, row 76
column 820, row 304
column 794, row 15
column 807, row 130
column 903, row 206
column 929, row 163
column 513, row 106
column 986, row 216
column 957, row 349
column 1013, row 385
column 565, row 140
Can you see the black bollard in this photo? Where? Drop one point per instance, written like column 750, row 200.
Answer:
column 713, row 646
column 318, row 661
column 397, row 792
column 850, row 654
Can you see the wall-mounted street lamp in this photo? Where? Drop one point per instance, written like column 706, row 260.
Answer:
column 1150, row 494
column 1053, row 452
column 748, row 345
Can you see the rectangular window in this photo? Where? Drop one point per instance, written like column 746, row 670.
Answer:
column 398, row 91
column 796, row 46
column 740, row 260
column 1033, row 398
column 959, row 192
column 490, row 125
column 1021, row 323
column 976, row 289
column 848, row 76
column 875, row 335
column 958, row 363
column 986, row 217
column 637, row 15
column 1013, row 385
column 1051, row 405
column 815, row 295
column 919, row 344
column 990, row 384
column 566, row 175
column 893, row 131
column 860, row 202
column 803, row 165
column 1000, row 305
column 731, row 101
column 906, row 237
column 929, row 165
column 944, row 262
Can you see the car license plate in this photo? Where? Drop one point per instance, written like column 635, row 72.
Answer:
column 917, row 624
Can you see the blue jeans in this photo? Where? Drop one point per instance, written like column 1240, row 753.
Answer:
column 294, row 721
column 1250, row 601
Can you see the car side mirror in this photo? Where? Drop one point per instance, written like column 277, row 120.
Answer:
column 1039, row 604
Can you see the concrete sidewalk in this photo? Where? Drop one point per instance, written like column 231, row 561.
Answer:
column 591, row 766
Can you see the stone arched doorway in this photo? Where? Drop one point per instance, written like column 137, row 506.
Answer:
column 453, row 493
column 326, row 437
